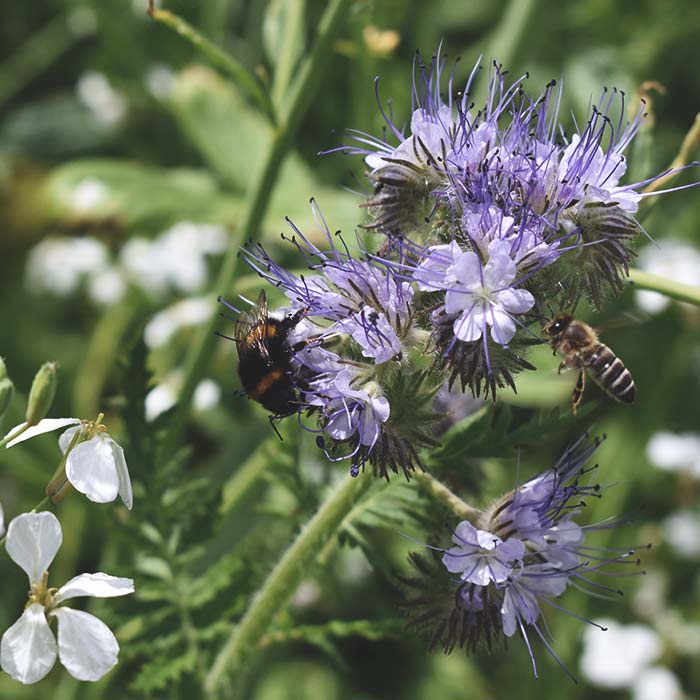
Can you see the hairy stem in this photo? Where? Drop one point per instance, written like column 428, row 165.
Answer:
column 443, row 495
column 281, row 584
column 669, row 288
column 300, row 97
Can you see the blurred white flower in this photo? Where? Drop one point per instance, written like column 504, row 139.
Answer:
column 682, row 531
column 616, row 657
column 160, row 80
column 89, row 194
column 175, row 260
column 657, row 683
column 675, row 452
column 206, row 395
column 675, row 260
column 58, row 265
column 163, row 396
column 106, row 286
column 86, row 646
column 187, row 312
column 97, row 94
column 97, row 467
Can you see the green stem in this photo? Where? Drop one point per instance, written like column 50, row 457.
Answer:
column 301, row 94
column 243, row 479
column 443, row 495
column 281, row 584
column 240, row 75
column 669, row 288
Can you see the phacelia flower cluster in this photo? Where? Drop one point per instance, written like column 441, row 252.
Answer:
column 519, row 556
column 351, row 350
column 499, row 216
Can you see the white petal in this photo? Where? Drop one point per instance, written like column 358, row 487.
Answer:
column 91, row 469
column 86, row 646
column 67, row 437
column 470, row 325
column 502, row 326
column 97, row 585
column 28, row 648
column 499, row 272
column 517, row 301
column 125, row 491
column 43, row 426
column 32, row 542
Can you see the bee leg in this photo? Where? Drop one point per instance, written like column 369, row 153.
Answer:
column 577, row 394
column 272, row 419
column 562, row 365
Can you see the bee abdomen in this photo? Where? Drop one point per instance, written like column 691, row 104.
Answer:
column 610, row 373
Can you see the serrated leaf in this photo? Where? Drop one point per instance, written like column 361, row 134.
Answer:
column 161, row 671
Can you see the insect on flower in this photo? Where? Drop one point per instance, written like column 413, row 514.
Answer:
column 578, row 343
column 265, row 356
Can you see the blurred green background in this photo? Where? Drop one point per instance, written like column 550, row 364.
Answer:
column 113, row 129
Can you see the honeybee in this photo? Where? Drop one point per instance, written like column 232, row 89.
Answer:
column 264, row 357
column 578, row 343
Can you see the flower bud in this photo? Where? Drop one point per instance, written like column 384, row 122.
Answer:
column 42, row 393
column 7, row 389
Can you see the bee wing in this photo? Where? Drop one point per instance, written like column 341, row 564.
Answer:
column 250, row 320
column 623, row 320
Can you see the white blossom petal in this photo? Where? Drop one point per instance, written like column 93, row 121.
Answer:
column 499, row 272
column 67, row 437
column 43, row 426
column 502, row 326
column 97, row 585
column 470, row 325
column 32, row 542
column 28, row 648
column 125, row 492
column 92, row 470
column 517, row 301
column 86, row 646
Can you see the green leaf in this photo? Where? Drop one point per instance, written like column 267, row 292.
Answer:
column 127, row 194
column 283, row 41
column 232, row 139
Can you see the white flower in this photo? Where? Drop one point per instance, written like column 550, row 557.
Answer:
column 86, row 646
column 675, row 452
column 95, row 466
column 479, row 296
column 657, row 683
column 669, row 258
column 682, row 531
column 616, row 657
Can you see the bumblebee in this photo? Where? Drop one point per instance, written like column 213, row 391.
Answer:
column 264, row 357
column 578, row 343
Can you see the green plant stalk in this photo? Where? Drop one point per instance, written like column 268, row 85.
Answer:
column 281, row 584
column 240, row 75
column 42, row 49
column 437, row 490
column 242, row 480
column 669, row 288
column 301, row 94
column 284, row 70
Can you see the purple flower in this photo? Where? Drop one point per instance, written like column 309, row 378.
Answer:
column 479, row 295
column 348, row 350
column 481, row 557
column 522, row 553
